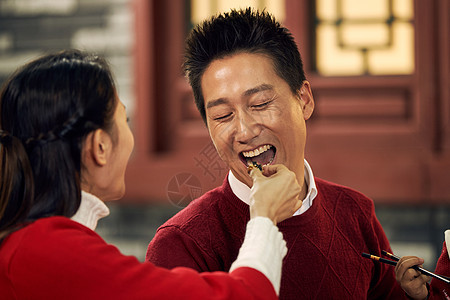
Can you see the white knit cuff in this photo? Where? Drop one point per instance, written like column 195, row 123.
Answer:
column 263, row 249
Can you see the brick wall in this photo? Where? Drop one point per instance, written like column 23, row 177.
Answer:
column 29, row 28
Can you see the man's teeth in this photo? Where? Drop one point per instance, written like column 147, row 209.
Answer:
column 257, row 151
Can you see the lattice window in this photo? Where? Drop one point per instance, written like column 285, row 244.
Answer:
column 356, row 37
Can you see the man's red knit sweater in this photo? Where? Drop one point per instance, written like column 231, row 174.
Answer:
column 439, row 289
column 324, row 244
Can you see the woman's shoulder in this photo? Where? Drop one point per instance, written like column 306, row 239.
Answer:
column 51, row 226
column 47, row 235
column 53, row 241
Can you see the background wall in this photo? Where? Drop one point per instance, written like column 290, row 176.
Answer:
column 174, row 161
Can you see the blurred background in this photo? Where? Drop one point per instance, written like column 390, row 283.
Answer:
column 379, row 71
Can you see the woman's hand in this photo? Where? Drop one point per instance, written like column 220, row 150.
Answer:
column 412, row 281
column 275, row 193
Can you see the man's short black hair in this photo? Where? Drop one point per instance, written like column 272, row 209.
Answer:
column 238, row 31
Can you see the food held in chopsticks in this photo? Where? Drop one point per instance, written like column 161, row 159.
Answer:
column 252, row 165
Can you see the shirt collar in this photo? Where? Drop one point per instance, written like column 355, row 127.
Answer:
column 90, row 211
column 242, row 191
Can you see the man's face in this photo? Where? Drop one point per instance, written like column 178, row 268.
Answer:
column 252, row 115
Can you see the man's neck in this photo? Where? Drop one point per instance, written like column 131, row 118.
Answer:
column 307, row 193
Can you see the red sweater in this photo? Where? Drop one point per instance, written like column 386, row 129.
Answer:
column 439, row 289
column 324, row 244
column 57, row 258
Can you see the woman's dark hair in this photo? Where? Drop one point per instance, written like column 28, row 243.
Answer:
column 241, row 31
column 48, row 107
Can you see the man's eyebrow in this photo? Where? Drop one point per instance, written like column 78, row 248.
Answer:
column 216, row 102
column 249, row 92
column 259, row 88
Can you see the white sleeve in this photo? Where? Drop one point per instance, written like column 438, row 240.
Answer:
column 447, row 241
column 263, row 249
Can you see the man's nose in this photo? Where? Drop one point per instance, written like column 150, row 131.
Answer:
column 246, row 128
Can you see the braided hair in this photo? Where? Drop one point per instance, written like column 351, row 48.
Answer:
column 47, row 108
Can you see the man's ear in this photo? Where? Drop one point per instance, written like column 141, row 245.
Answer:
column 306, row 100
column 100, row 146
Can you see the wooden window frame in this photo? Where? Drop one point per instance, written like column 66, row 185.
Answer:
column 393, row 159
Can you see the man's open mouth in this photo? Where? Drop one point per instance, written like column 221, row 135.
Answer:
column 263, row 155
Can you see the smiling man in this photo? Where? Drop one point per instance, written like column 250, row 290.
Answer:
column 252, row 114
column 249, row 86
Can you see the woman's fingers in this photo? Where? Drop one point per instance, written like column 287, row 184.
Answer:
column 269, row 170
column 298, row 204
column 254, row 172
column 275, row 193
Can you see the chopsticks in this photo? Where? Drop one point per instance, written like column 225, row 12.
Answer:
column 421, row 270
column 380, row 259
column 394, row 261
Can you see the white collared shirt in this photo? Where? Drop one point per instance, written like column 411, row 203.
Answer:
column 242, row 191
column 90, row 211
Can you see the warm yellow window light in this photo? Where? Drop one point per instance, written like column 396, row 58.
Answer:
column 364, row 9
column 203, row 9
column 332, row 59
column 355, row 37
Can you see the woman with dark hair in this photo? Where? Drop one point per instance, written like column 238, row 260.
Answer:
column 64, row 147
